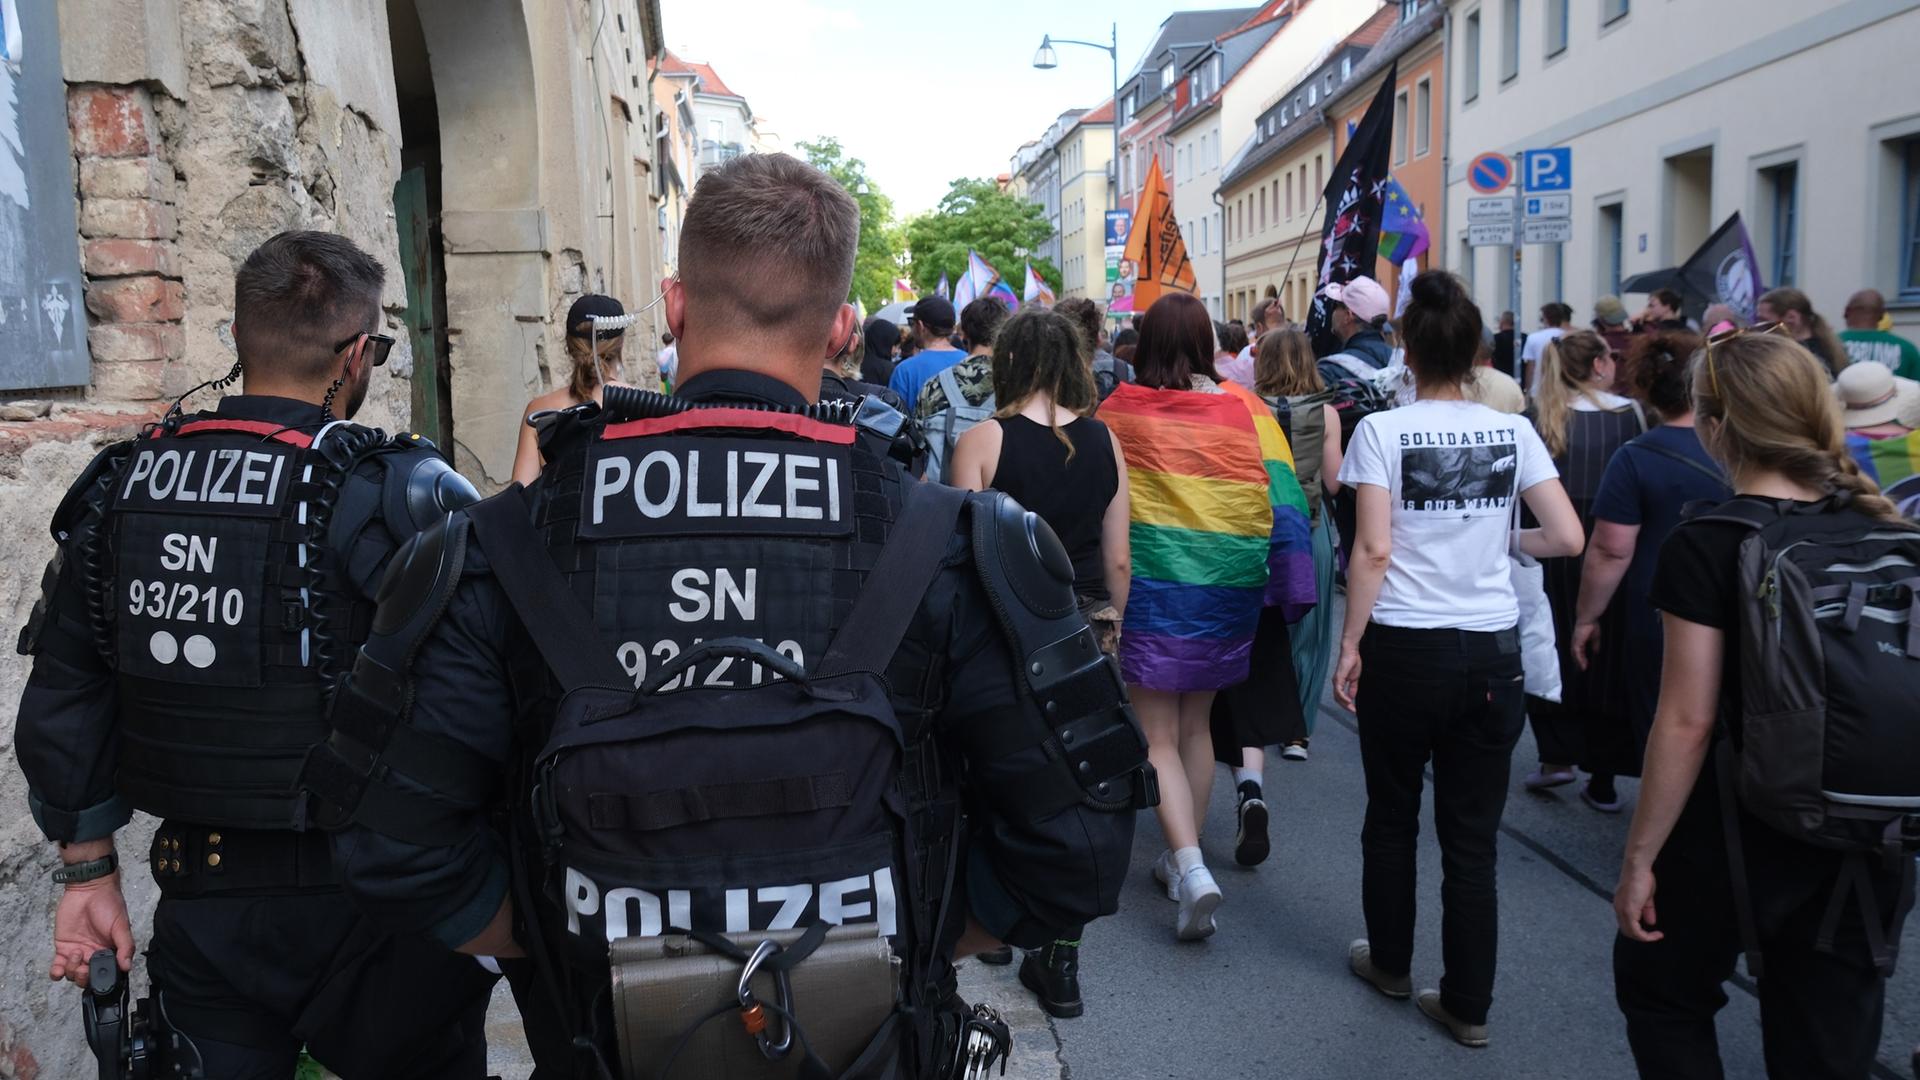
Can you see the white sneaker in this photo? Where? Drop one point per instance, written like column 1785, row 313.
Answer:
column 1199, row 895
column 1165, row 874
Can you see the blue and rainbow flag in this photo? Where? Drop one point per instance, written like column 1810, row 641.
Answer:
column 1403, row 229
column 1208, row 483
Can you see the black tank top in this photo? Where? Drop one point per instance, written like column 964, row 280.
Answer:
column 1071, row 497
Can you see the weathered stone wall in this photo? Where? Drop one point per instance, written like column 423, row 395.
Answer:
column 177, row 179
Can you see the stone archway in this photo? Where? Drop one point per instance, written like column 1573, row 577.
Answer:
column 492, row 222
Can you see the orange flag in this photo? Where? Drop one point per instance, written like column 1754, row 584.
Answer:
column 1154, row 246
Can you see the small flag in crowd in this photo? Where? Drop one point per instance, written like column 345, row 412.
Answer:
column 942, row 291
column 981, row 279
column 903, row 290
column 1356, row 196
column 1158, row 254
column 1037, row 288
column 1403, row 229
column 1408, row 271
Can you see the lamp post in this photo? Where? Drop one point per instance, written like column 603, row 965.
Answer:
column 1045, row 60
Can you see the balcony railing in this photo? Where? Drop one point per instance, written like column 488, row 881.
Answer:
column 713, row 152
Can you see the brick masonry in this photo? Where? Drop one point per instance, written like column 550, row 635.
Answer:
column 130, row 226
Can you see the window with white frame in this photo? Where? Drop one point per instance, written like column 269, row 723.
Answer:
column 1470, row 57
column 1422, row 117
column 1558, row 15
column 1509, row 40
column 1400, row 117
column 1313, row 93
column 1910, row 218
column 1780, row 188
column 1346, row 67
column 1612, row 246
column 1166, row 76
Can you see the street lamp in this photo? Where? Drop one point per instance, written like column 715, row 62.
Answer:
column 1045, row 60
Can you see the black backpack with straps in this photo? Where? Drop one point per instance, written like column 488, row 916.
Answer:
column 733, row 821
column 1828, row 750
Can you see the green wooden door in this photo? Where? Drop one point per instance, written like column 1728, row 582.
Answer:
column 422, row 272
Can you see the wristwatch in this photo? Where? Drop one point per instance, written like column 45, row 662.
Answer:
column 90, row 870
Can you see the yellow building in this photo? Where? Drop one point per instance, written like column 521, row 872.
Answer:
column 1086, row 151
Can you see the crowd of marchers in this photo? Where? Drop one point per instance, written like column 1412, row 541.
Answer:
column 755, row 705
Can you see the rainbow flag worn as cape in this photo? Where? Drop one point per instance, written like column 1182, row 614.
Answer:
column 1894, row 464
column 1202, row 508
column 1290, row 581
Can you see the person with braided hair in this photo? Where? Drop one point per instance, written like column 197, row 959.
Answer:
column 213, row 578
column 1685, row 906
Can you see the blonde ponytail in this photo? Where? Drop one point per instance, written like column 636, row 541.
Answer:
column 1566, row 372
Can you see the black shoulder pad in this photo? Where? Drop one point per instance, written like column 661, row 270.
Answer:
column 345, row 777
column 420, row 581
column 89, row 490
column 1019, row 555
column 1096, row 752
column 421, row 489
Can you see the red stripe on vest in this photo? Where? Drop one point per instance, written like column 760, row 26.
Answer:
column 702, row 419
column 276, row 432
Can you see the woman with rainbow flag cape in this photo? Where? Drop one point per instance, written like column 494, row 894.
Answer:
column 1218, row 532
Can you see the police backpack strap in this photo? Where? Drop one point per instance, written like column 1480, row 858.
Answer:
column 561, row 627
column 914, row 550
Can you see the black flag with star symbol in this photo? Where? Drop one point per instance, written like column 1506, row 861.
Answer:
column 1356, row 200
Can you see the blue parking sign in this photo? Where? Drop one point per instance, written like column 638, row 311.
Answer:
column 1547, row 170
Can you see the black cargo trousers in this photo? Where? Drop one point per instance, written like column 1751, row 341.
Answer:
column 251, row 977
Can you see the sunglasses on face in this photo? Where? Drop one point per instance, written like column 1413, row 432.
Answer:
column 378, row 346
column 1724, row 336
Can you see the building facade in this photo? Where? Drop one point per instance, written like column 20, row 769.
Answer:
column 1151, row 94
column 1086, row 158
column 1271, row 188
column 1798, row 115
column 496, row 155
column 1197, row 150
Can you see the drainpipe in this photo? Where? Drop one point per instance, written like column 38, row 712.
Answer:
column 1222, row 232
column 1446, row 136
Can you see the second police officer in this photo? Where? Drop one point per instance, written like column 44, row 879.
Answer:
column 213, row 579
column 781, row 731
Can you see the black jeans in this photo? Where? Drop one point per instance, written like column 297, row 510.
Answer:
column 251, row 979
column 1820, row 1013
column 1455, row 697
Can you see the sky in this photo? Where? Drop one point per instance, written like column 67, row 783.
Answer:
column 923, row 93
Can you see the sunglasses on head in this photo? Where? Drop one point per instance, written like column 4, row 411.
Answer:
column 378, row 345
column 1724, row 336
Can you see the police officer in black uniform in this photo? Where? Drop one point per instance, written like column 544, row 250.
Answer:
column 213, row 578
column 1023, row 764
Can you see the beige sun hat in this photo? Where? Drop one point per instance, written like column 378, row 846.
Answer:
column 1871, row 395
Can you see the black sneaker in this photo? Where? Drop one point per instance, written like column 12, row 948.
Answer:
column 1053, row 974
column 1250, row 843
column 999, row 957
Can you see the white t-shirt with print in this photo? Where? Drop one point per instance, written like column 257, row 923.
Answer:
column 1535, row 348
column 1452, row 470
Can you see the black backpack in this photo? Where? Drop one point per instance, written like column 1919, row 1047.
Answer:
column 728, row 815
column 1829, row 646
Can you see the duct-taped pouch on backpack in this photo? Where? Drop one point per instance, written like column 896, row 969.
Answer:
column 756, row 1006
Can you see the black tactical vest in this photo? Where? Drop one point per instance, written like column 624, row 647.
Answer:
column 225, row 615
column 727, row 521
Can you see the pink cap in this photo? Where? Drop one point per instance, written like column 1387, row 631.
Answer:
column 1363, row 296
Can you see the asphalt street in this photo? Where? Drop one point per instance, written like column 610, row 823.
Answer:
column 1270, row 994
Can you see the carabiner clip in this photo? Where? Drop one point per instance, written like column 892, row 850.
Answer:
column 783, row 1000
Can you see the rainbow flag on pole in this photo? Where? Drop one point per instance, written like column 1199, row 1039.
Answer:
column 1206, row 493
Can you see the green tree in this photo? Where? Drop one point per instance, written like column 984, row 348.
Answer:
column 875, row 264
column 976, row 215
